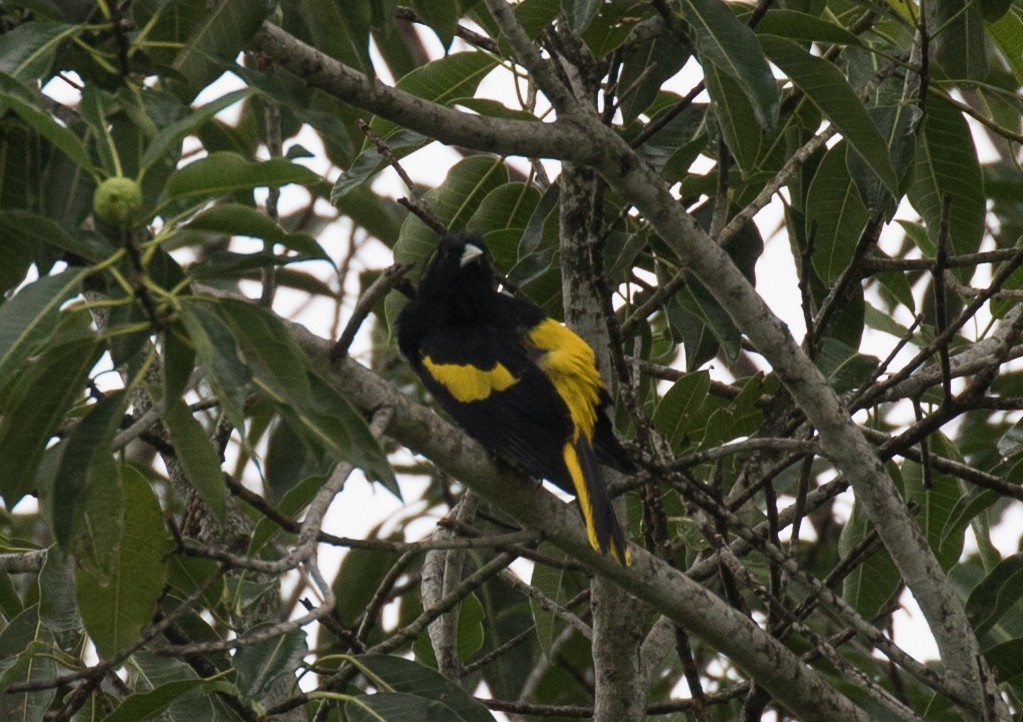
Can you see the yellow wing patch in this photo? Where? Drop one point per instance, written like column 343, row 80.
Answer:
column 569, row 363
column 469, row 383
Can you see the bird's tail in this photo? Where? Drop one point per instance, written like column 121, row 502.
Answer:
column 602, row 527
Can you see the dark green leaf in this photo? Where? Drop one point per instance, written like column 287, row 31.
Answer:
column 843, row 366
column 35, row 408
column 726, row 43
column 223, row 31
column 116, row 610
column 90, row 438
column 169, row 138
column 393, row 674
column 194, row 450
column 239, row 220
column 30, row 316
column 947, row 167
column 224, row 172
column 835, row 215
column 998, row 592
column 48, row 127
column 959, row 38
column 27, row 50
column 829, row 90
column 260, row 664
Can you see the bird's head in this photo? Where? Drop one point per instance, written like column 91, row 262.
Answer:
column 459, row 268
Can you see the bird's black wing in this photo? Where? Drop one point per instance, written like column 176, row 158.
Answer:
column 486, row 381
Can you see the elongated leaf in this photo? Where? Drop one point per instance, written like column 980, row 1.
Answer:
column 170, row 137
column 732, row 110
column 239, row 220
column 34, row 409
column 217, row 352
column 196, row 453
column 281, row 370
column 998, row 592
column 828, row 89
column 959, row 38
column 34, row 663
column 1007, row 33
column 947, row 167
column 371, row 160
column 397, row 675
column 798, row 25
column 871, row 584
column 27, row 50
column 260, row 664
column 147, row 705
column 442, row 81
column 90, row 437
column 224, row 172
column 835, row 214
column 723, row 41
column 223, row 31
column 897, row 123
column 29, row 317
column 679, row 411
column 45, row 125
column 116, row 610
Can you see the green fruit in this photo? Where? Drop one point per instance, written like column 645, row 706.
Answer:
column 117, row 200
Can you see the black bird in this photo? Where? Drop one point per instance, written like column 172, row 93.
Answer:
column 518, row 381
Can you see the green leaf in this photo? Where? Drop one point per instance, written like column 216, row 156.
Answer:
column 1007, row 33
column 645, row 68
column 947, row 166
column 35, row 662
column 116, row 610
column 224, row 30
column 843, row 366
column 797, row 25
column 681, row 411
column 441, row 17
column 90, row 439
column 959, row 38
column 400, row 143
column 168, row 140
column 1006, row 660
column 147, row 705
column 315, row 410
column 898, row 124
column 225, row 172
column 457, row 75
column 996, row 594
column 870, row 586
column 194, row 450
column 835, row 215
column 260, row 664
column 829, row 90
column 240, row 220
column 35, row 408
column 27, row 50
column 559, row 585
column 30, row 316
column 47, row 126
column 727, row 44
column 217, row 352
column 421, row 684
column 732, row 109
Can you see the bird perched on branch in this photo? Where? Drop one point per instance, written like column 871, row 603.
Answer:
column 521, row 383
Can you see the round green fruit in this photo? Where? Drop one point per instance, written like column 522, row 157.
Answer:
column 117, row 200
